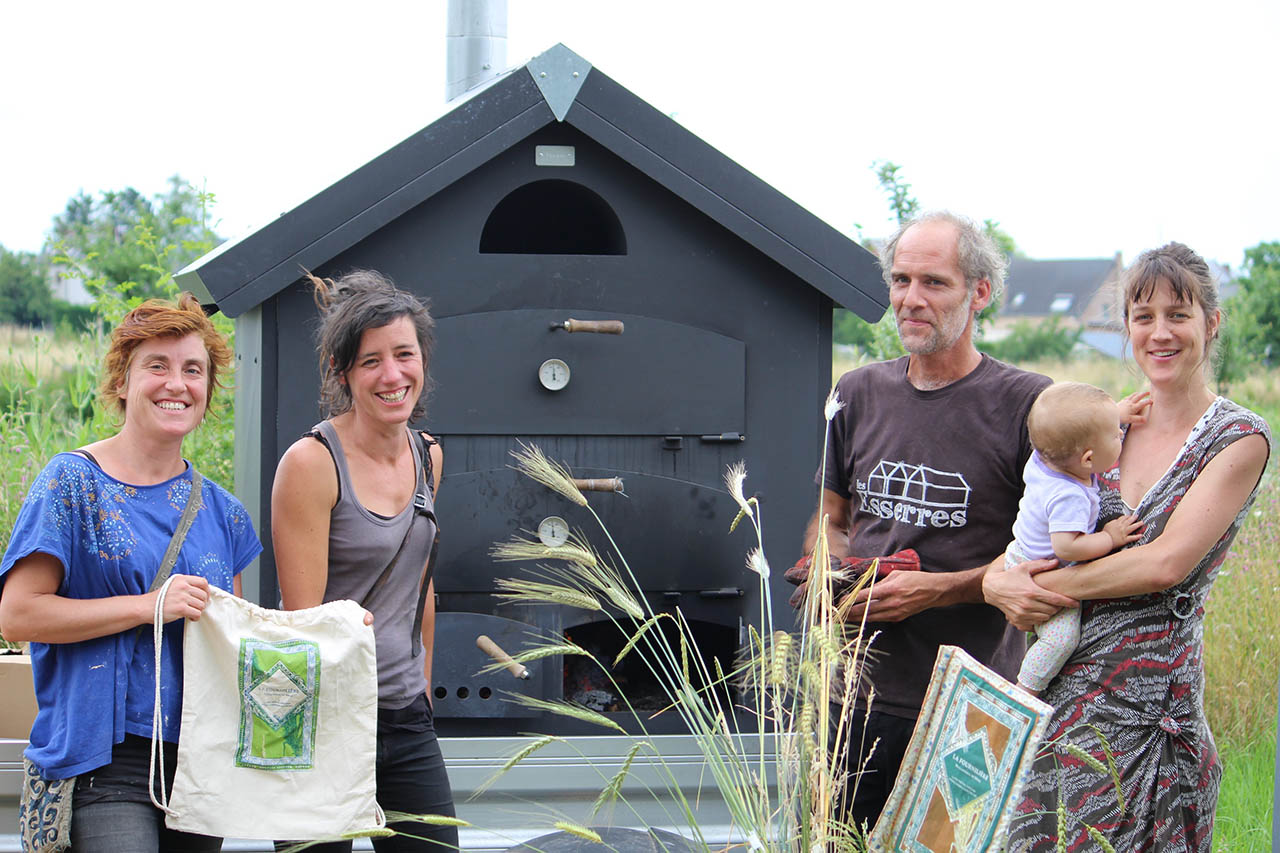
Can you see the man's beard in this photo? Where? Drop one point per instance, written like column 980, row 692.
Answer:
column 950, row 327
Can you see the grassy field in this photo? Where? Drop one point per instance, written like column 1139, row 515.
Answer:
column 22, row 343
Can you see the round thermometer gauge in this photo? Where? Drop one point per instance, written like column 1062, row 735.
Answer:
column 553, row 531
column 553, row 374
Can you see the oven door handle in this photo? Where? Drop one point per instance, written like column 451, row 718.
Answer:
column 598, row 484
column 493, row 650
column 600, row 327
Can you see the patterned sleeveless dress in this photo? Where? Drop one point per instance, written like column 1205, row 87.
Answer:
column 1137, row 677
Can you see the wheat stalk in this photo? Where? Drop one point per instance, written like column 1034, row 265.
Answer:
column 520, row 548
column 539, row 592
column 582, row 832
column 566, row 709
column 533, row 463
column 613, row 789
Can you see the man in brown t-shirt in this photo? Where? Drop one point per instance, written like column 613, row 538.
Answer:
column 927, row 453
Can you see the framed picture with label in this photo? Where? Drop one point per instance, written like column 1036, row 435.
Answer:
column 968, row 759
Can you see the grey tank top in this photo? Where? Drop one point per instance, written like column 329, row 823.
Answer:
column 361, row 544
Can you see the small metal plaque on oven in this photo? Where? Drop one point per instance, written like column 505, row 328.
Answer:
column 553, row 155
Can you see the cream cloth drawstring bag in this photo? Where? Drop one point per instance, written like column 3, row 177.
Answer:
column 279, row 722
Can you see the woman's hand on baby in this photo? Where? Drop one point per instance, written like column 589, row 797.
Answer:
column 1135, row 408
column 1123, row 530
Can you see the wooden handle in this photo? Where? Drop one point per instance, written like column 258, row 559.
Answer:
column 490, row 648
column 600, row 327
column 605, row 484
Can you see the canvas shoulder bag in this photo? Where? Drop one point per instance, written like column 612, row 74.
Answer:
column 279, row 723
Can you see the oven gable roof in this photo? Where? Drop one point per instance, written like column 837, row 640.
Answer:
column 557, row 85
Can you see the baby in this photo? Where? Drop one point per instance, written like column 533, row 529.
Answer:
column 1075, row 430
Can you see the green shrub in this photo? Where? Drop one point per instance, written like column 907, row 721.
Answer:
column 71, row 319
column 1028, row 341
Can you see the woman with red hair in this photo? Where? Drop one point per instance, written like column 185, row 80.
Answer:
column 76, row 581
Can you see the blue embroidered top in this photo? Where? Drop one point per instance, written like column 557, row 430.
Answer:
column 110, row 538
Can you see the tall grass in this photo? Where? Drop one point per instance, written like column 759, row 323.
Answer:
column 1242, row 626
column 1243, row 824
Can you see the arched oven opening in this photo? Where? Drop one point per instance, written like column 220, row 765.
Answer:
column 632, row 681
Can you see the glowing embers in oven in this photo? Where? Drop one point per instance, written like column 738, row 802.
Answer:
column 633, row 680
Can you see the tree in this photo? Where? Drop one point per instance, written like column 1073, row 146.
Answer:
column 903, row 204
column 1254, row 311
column 1002, row 238
column 124, row 242
column 25, row 297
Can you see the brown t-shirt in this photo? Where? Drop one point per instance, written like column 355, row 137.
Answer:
column 941, row 472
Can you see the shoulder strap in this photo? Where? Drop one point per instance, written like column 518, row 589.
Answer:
column 87, row 455
column 419, row 508
column 319, row 436
column 428, row 471
column 194, row 501
column 416, row 637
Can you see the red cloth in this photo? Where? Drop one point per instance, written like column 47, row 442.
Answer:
column 852, row 568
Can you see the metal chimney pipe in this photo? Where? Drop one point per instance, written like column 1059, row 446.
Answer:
column 475, row 44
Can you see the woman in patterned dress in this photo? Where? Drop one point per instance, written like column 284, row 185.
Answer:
column 75, row 579
column 1190, row 472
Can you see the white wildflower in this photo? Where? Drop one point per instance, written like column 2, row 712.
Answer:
column 834, row 404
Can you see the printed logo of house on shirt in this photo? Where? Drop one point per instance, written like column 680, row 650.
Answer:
column 915, row 494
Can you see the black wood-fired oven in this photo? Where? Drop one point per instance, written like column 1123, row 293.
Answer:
column 607, row 286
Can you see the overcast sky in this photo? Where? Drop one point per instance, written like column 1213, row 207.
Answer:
column 1084, row 128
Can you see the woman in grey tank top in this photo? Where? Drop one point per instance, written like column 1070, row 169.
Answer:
column 353, row 516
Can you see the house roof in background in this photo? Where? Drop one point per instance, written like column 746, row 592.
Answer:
column 1108, row 342
column 557, row 85
column 1039, row 288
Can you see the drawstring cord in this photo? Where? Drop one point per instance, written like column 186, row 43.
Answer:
column 157, row 749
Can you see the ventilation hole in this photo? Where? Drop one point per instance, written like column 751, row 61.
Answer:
column 463, row 693
column 553, row 217
column 440, row 692
column 485, row 692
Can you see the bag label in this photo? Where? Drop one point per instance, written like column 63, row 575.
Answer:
column 279, row 686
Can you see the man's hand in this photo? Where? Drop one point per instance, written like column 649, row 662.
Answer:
column 1123, row 530
column 895, row 597
column 1024, row 602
